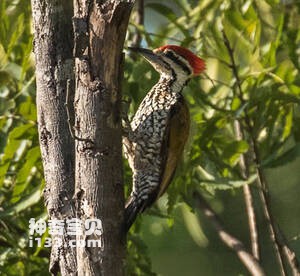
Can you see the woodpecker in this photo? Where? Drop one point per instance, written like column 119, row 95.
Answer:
column 160, row 127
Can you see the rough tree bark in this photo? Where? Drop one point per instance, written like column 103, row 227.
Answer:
column 99, row 29
column 53, row 46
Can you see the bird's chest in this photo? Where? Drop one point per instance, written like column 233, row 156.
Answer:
column 149, row 126
column 151, row 118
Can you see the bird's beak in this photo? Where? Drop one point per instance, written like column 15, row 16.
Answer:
column 147, row 54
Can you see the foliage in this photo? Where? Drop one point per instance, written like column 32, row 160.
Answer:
column 265, row 41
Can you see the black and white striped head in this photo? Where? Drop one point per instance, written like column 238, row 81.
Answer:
column 173, row 61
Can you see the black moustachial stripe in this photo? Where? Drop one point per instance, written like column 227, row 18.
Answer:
column 174, row 75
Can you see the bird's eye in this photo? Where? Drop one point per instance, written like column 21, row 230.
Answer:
column 170, row 54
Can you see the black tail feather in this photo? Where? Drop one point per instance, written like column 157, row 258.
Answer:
column 132, row 209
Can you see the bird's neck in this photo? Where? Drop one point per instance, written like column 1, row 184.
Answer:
column 172, row 83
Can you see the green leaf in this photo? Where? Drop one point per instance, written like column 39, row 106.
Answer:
column 28, row 109
column 3, row 56
column 276, row 42
column 288, row 124
column 23, row 175
column 18, row 31
column 227, row 184
column 203, row 174
column 233, row 151
column 14, row 70
column 24, row 204
column 236, row 103
column 19, row 131
column 284, row 97
column 13, row 144
column 236, row 19
column 283, row 159
column 194, row 227
column 286, row 71
column 9, row 152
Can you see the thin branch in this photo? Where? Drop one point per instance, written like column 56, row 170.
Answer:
column 249, row 261
column 213, row 81
column 233, row 65
column 243, row 162
column 139, row 20
column 271, row 224
column 290, row 255
column 206, row 101
column 276, row 234
column 281, row 247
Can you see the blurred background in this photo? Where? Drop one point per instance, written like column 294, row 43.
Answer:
column 173, row 237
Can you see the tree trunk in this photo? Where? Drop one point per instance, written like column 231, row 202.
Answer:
column 99, row 33
column 99, row 29
column 53, row 45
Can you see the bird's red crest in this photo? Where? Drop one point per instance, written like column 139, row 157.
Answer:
column 196, row 63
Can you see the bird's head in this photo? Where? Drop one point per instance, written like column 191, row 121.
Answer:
column 173, row 61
